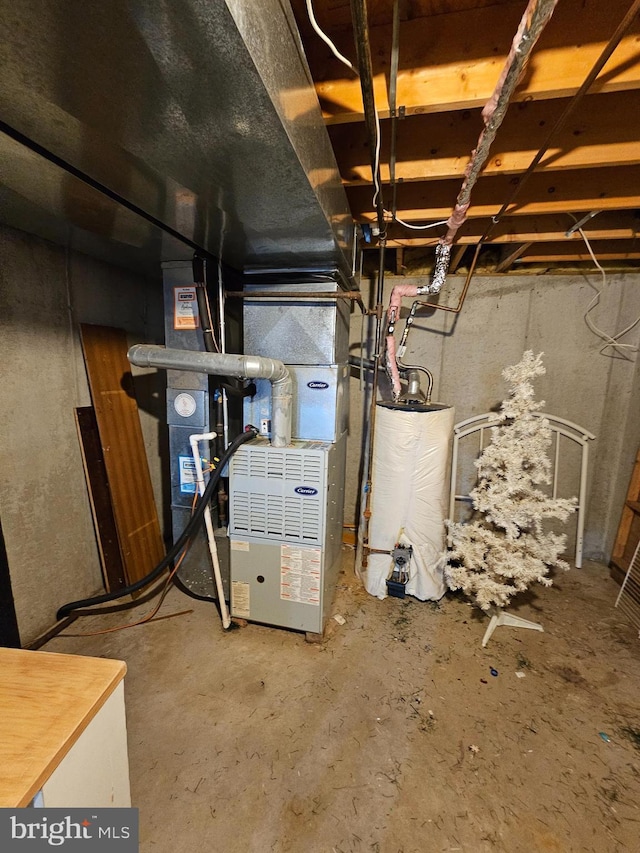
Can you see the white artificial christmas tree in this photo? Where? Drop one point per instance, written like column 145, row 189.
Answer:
column 494, row 558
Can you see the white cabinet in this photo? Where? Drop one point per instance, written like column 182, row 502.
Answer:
column 63, row 734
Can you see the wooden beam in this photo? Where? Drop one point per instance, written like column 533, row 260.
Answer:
column 456, row 257
column 560, row 192
column 604, row 132
column 556, row 252
column 608, row 225
column 452, row 61
column 512, row 256
column 334, row 16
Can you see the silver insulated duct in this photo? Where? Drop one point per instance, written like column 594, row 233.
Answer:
column 147, row 130
column 227, row 364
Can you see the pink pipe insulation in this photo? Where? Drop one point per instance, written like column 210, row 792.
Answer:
column 393, row 312
column 457, row 218
column 535, row 18
column 397, row 295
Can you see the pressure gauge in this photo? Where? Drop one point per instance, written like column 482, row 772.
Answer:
column 185, row 405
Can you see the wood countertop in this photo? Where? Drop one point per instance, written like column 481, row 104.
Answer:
column 46, row 701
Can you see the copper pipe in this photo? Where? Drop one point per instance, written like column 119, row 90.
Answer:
column 374, row 399
column 294, row 294
column 465, row 288
column 602, row 60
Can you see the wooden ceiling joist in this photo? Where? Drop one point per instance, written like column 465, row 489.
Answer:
column 579, row 190
column 512, row 256
column 435, row 147
column 452, row 61
column 620, row 225
column 451, row 54
column 578, row 253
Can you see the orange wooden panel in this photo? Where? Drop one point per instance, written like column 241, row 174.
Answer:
column 111, row 384
column 629, row 528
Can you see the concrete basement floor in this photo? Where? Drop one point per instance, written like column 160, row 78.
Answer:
column 393, row 736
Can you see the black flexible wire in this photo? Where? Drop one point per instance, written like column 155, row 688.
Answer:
column 205, row 318
column 179, row 544
column 206, row 323
column 246, row 391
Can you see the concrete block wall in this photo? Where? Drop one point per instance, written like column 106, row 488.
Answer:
column 502, row 317
column 45, row 293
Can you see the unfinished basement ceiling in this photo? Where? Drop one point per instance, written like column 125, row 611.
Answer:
column 203, row 117
column 450, row 57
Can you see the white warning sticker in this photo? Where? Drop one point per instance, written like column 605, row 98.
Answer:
column 300, row 572
column 185, row 308
column 188, row 475
column 240, row 599
column 239, row 545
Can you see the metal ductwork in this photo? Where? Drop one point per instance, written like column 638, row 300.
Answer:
column 140, row 131
column 225, row 364
column 145, row 132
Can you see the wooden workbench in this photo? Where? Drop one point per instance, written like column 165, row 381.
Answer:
column 62, row 730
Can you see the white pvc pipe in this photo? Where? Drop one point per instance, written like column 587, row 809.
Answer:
column 582, row 501
column 193, row 441
column 228, row 364
column 223, row 348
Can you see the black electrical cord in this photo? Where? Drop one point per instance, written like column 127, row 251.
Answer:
column 183, row 540
column 245, row 391
column 206, row 322
column 205, row 318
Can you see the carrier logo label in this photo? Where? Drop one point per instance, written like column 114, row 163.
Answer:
column 318, row 386
column 305, row 490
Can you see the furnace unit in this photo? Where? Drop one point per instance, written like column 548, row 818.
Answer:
column 281, row 554
column 286, row 531
column 286, row 504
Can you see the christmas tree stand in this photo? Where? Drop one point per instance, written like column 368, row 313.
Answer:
column 499, row 617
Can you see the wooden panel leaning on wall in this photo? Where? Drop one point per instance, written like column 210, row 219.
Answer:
column 104, row 521
column 629, row 529
column 112, row 392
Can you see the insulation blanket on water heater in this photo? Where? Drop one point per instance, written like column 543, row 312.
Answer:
column 409, row 499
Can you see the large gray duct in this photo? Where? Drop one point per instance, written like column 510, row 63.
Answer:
column 227, row 364
column 200, row 115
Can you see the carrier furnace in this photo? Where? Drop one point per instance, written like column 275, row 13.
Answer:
column 286, row 504
column 284, row 540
